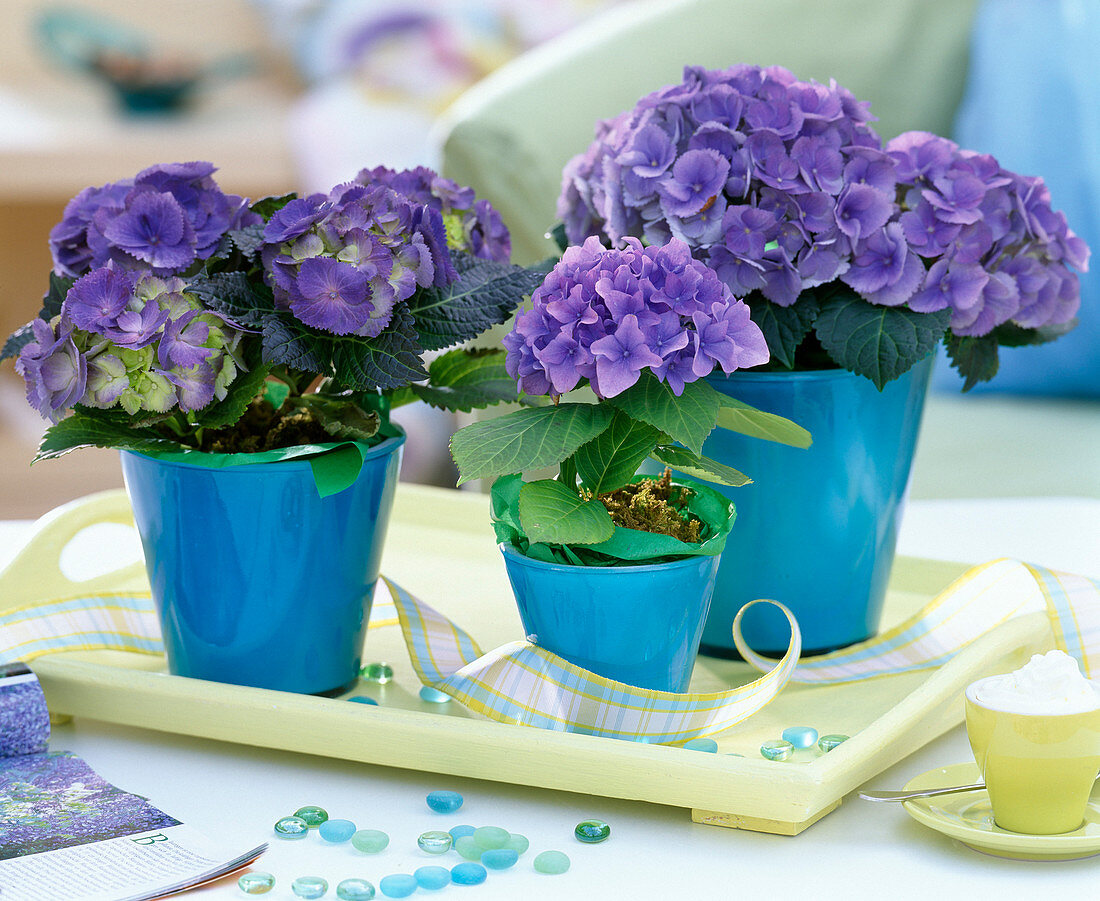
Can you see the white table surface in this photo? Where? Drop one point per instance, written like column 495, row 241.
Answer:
column 861, row 850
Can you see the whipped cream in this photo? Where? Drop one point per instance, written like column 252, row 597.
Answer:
column 1049, row 683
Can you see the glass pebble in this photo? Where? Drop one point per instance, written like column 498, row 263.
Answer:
column 468, row 874
column 444, row 801
column 709, row 745
column 433, row 696
column 256, row 883
column 291, row 827
column 363, row 699
column 827, row 742
column 309, row 887
column 499, row 858
column 467, row 848
column 551, row 862
column 777, row 750
column 488, row 837
column 355, row 890
column 399, row 885
column 800, row 736
column 435, row 842
column 377, row 672
column 461, row 832
column 369, row 841
column 592, row 831
column 518, row 843
column 432, row 877
column 336, row 831
column 312, row 814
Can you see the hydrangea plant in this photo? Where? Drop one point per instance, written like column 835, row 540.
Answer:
column 849, row 253
column 641, row 327
column 174, row 308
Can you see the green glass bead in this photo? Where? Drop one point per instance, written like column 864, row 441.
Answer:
column 777, row 750
column 518, row 843
column 551, row 863
column 827, row 742
column 370, row 841
column 291, row 827
column 256, row 883
column 435, row 842
column 309, row 886
column 467, row 848
column 592, row 831
column 312, row 814
column 377, row 672
column 489, row 837
column 355, row 890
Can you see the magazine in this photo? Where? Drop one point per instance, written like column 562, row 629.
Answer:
column 65, row 832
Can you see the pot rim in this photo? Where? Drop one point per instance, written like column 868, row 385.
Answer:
column 508, row 551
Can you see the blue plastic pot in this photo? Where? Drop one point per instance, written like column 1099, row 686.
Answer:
column 817, row 528
column 635, row 624
column 257, row 579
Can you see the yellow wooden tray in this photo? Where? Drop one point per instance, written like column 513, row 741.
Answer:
column 441, row 548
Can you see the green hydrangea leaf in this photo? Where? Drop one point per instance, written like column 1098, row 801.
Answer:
column 248, row 240
column 269, row 206
column 525, row 439
column 340, row 417
column 688, row 418
column 784, row 328
column 1011, row 335
column 698, row 466
column 224, row 413
column 738, row 416
column 234, row 296
column 875, row 341
column 550, row 513
column 466, row 380
column 55, row 296
column 976, row 359
column 87, row 429
column 17, row 340
column 610, row 460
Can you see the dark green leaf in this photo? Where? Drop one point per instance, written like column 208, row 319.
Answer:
column 551, row 513
column 688, row 418
column 224, row 413
column 248, row 240
column 738, row 416
column 874, row 341
column 610, row 459
column 17, row 340
column 90, row 430
column 1012, row 335
column 234, row 296
column 784, row 328
column 55, row 296
column 340, row 418
column 975, row 358
column 286, row 341
column 557, row 235
column 391, row 360
column 466, row 380
column 699, row 467
column 269, row 206
column 526, row 439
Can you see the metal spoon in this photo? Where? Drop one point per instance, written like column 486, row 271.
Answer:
column 923, row 793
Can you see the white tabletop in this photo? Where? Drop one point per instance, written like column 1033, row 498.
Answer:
column 860, row 850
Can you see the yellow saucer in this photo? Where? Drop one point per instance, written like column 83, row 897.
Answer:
column 968, row 817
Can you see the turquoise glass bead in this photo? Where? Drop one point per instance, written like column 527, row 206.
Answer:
column 467, row 848
column 458, row 832
column 468, row 874
column 377, row 672
column 518, row 843
column 777, row 750
column 433, row 695
column 363, row 699
column 709, row 745
column 312, row 814
column 444, row 801
column 592, row 831
column 399, row 885
column 499, row 858
column 355, row 890
column 827, row 742
column 488, row 837
column 435, row 842
column 370, row 841
column 551, row 862
column 336, row 831
column 432, row 878
column 309, row 887
column 256, row 883
column 800, row 736
column 291, row 827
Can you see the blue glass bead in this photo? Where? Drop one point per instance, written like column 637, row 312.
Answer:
column 499, row 858
column 309, row 887
column 256, row 883
column 435, row 842
column 777, row 750
column 709, row 745
column 432, row 878
column 377, row 672
column 487, row 837
column 336, row 831
column 468, row 848
column 551, row 863
column 370, row 841
column 399, row 885
column 800, row 736
column 291, row 827
column 312, row 814
column 444, row 801
column 363, row 699
column 518, row 843
column 592, row 831
column 355, row 890
column 461, row 831
column 827, row 742
column 432, row 695
column 468, row 874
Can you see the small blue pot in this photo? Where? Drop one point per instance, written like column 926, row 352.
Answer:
column 257, row 579
column 635, row 624
column 817, row 528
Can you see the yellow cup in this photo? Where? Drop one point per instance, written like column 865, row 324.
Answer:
column 1039, row 769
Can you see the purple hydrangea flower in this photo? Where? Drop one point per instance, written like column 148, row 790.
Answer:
column 53, row 368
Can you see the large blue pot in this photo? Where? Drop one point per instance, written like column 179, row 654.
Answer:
column 817, row 528
column 635, row 624
column 257, row 579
